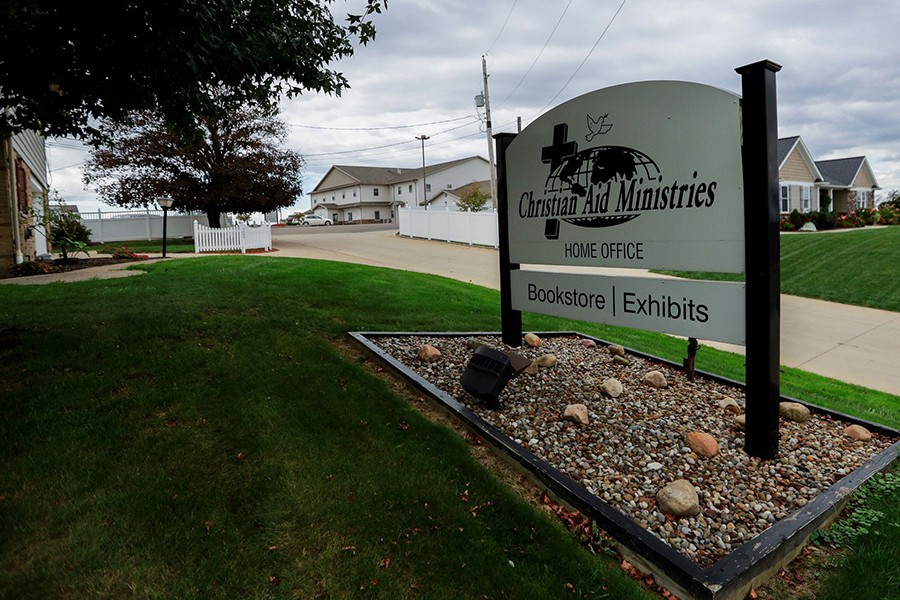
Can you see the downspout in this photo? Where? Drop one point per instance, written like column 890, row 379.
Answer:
column 14, row 203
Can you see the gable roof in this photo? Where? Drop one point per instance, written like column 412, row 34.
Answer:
column 482, row 186
column 388, row 175
column 843, row 171
column 787, row 146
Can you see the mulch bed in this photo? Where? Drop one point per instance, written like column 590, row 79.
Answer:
column 82, row 263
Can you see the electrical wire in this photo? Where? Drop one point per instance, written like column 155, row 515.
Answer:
column 380, row 128
column 536, row 58
column 508, row 15
column 591, row 51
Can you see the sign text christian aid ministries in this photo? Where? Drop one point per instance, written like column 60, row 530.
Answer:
column 643, row 175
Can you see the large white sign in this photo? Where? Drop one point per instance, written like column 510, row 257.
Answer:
column 642, row 175
column 709, row 310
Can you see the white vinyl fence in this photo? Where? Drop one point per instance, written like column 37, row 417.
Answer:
column 473, row 228
column 241, row 237
column 122, row 225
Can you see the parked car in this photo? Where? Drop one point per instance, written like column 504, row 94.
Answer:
column 309, row 220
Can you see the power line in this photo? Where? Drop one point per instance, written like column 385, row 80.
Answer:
column 508, row 15
column 380, row 128
column 536, row 58
column 603, row 33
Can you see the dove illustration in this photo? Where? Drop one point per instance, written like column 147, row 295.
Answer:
column 597, row 126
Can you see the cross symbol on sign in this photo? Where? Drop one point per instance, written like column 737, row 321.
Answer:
column 560, row 148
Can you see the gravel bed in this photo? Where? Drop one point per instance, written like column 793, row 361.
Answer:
column 635, row 444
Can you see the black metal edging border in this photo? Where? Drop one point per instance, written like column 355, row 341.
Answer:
column 725, row 577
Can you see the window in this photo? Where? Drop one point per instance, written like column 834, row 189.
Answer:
column 785, row 199
column 862, row 199
column 375, row 192
column 354, row 193
column 410, row 188
column 427, row 187
column 804, row 199
column 377, row 215
column 399, row 190
column 334, row 218
column 350, row 216
column 343, row 195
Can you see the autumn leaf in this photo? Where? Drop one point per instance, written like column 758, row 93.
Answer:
column 274, row 580
column 171, row 423
column 385, row 562
column 404, row 426
column 349, row 549
column 208, row 524
column 464, row 496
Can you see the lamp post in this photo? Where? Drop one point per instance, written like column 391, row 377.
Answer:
column 165, row 203
column 423, row 137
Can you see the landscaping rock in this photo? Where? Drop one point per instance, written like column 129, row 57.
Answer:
column 793, row 411
column 808, row 226
column 730, row 405
column 703, row 444
column 616, row 350
column 532, row 340
column 429, row 353
column 656, row 379
column 532, row 369
column 547, row 360
column 612, row 387
column 588, row 343
column 475, row 343
column 576, row 413
column 858, row 433
column 740, row 422
column 621, row 360
column 678, row 499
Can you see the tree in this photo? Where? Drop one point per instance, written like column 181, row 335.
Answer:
column 473, row 200
column 64, row 64
column 228, row 163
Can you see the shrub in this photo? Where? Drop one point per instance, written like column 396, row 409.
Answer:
column 866, row 215
column 889, row 215
column 786, row 225
column 67, row 233
column 796, row 219
column 122, row 252
column 32, row 267
column 825, row 220
column 850, row 220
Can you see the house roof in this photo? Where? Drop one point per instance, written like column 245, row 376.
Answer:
column 387, row 175
column 785, row 145
column 481, row 186
column 843, row 171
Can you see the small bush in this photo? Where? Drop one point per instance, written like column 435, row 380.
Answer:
column 32, row 267
column 850, row 220
column 826, row 220
column 122, row 252
column 796, row 219
column 889, row 215
column 786, row 225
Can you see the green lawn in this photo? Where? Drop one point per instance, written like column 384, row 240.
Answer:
column 852, row 267
column 194, row 433
column 173, row 246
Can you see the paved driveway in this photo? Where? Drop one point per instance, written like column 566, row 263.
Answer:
column 850, row 343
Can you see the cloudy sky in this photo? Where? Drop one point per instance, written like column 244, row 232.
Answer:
column 839, row 87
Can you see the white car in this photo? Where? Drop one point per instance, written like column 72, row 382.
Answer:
column 314, row 220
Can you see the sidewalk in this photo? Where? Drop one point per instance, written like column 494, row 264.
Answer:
column 849, row 343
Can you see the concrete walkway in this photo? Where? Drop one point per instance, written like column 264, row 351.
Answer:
column 849, row 343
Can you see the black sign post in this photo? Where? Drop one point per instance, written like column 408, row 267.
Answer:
column 510, row 320
column 763, row 270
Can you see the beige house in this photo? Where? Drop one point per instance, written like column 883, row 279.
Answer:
column 449, row 199
column 358, row 193
column 24, row 188
column 807, row 184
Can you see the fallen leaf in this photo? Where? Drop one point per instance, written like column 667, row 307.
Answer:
column 753, row 594
column 273, row 548
column 385, row 562
column 404, row 426
column 274, row 580
column 208, row 524
column 171, row 423
column 464, row 496
column 374, row 582
column 349, row 549
column 240, row 456
column 414, row 586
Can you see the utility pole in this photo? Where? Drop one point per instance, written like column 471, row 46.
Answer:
column 423, row 137
column 490, row 133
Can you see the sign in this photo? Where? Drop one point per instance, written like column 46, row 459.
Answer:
column 710, row 310
column 641, row 175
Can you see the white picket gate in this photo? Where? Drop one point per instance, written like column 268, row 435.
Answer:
column 241, row 237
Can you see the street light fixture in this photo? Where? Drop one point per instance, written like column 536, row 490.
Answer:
column 165, row 203
column 423, row 137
